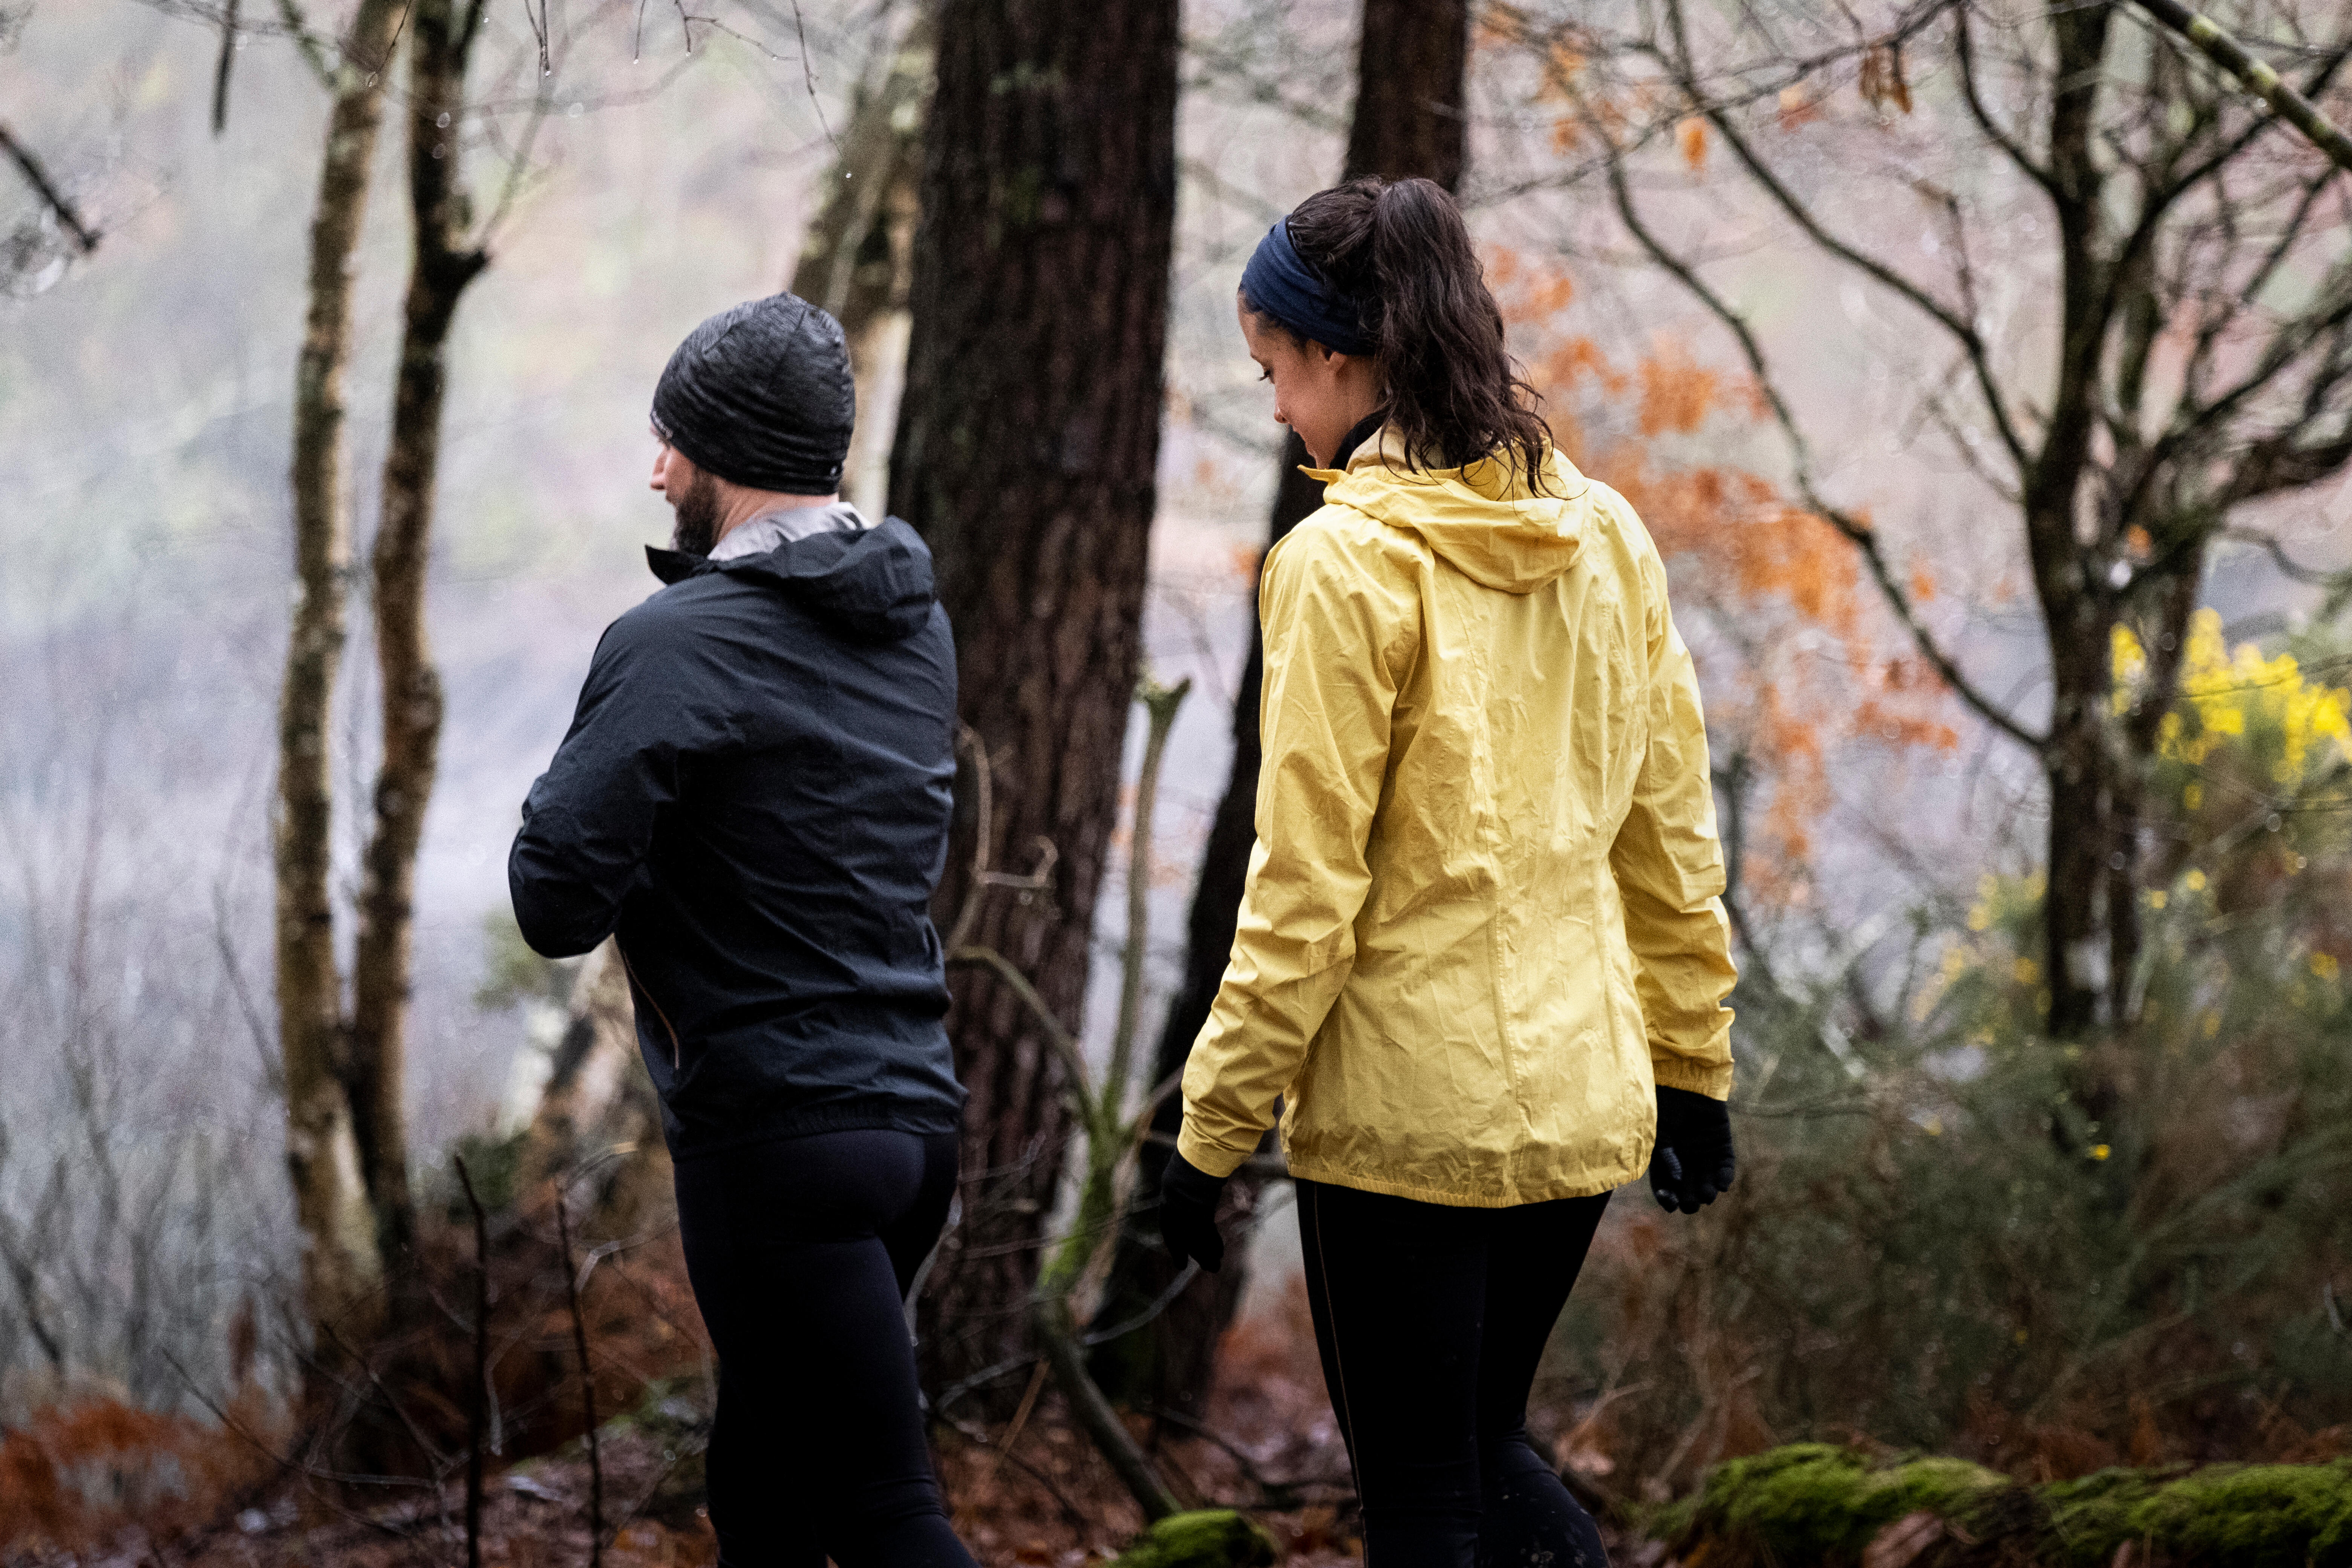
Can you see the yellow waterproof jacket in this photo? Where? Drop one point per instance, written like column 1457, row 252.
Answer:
column 1484, row 915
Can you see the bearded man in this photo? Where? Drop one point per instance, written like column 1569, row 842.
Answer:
column 753, row 800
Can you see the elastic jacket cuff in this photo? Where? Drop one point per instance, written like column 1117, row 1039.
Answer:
column 1713, row 1080
column 1209, row 1158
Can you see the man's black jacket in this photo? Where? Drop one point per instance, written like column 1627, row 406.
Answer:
column 754, row 799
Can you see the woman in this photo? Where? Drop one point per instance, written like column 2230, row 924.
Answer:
column 1482, row 958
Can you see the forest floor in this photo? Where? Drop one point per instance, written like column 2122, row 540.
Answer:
column 1026, row 1493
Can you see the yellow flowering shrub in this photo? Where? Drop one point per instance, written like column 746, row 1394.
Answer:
column 2291, row 727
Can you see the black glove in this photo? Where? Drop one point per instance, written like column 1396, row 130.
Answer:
column 1188, row 1213
column 1692, row 1161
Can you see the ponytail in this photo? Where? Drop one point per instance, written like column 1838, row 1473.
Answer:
column 1402, row 251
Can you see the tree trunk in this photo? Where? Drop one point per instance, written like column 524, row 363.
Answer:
column 2143, row 727
column 858, row 261
column 1412, row 71
column 1026, row 444
column 440, row 43
column 597, row 1119
column 2077, row 613
column 1411, row 76
column 340, row 1264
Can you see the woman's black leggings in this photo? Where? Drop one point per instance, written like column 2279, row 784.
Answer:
column 801, row 1252
column 1431, row 1320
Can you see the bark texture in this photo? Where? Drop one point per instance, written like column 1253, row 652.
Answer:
column 1026, row 444
column 1412, row 79
column 441, row 39
column 341, row 1265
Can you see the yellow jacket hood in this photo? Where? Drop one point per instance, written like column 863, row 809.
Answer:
column 1484, row 521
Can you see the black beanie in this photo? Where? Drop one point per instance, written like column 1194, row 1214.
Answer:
column 760, row 395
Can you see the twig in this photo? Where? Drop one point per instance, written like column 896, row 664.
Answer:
column 808, row 72
column 476, row 1411
column 587, row 1387
column 1065, row 1044
column 1004, row 1446
column 84, row 236
column 273, row 1068
column 971, row 1434
column 220, row 71
column 1271, row 1493
column 425, row 1446
column 1159, row 1303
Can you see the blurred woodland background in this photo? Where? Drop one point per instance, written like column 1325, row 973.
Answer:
column 1983, row 369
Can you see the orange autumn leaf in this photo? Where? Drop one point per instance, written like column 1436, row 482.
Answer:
column 1691, row 137
column 1677, row 394
column 1803, row 672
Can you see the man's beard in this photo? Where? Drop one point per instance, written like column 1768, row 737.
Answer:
column 696, row 531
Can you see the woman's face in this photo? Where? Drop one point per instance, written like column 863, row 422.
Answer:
column 1318, row 393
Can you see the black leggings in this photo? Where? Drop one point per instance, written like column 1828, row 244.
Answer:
column 801, row 1252
column 1431, row 1320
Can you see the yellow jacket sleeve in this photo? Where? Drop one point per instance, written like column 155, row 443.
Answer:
column 1669, row 868
column 1339, row 635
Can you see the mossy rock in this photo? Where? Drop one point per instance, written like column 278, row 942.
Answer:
column 1812, row 1502
column 1206, row 1538
column 2247, row 1516
column 1815, row 1504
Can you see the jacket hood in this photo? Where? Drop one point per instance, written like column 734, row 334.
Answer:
column 1483, row 519
column 874, row 584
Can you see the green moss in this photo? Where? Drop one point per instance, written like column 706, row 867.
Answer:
column 1816, row 1504
column 2089, row 1518
column 1207, row 1538
column 2254, row 1516
column 1813, row 1504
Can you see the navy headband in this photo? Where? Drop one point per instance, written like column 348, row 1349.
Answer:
column 1280, row 285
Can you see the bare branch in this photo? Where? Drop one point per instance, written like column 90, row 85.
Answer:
column 84, row 236
column 2288, row 567
column 2034, row 168
column 298, row 27
column 221, row 70
column 1970, row 339
column 1857, row 530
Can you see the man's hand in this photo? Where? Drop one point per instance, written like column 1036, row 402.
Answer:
column 1188, row 1213
column 1692, row 1161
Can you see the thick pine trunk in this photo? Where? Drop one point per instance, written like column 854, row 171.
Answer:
column 1411, row 68
column 340, row 1264
column 1027, row 439
column 412, row 685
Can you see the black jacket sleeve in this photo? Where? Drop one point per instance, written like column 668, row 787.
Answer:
column 588, row 823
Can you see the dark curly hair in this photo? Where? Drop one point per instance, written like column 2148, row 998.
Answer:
column 1400, row 248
